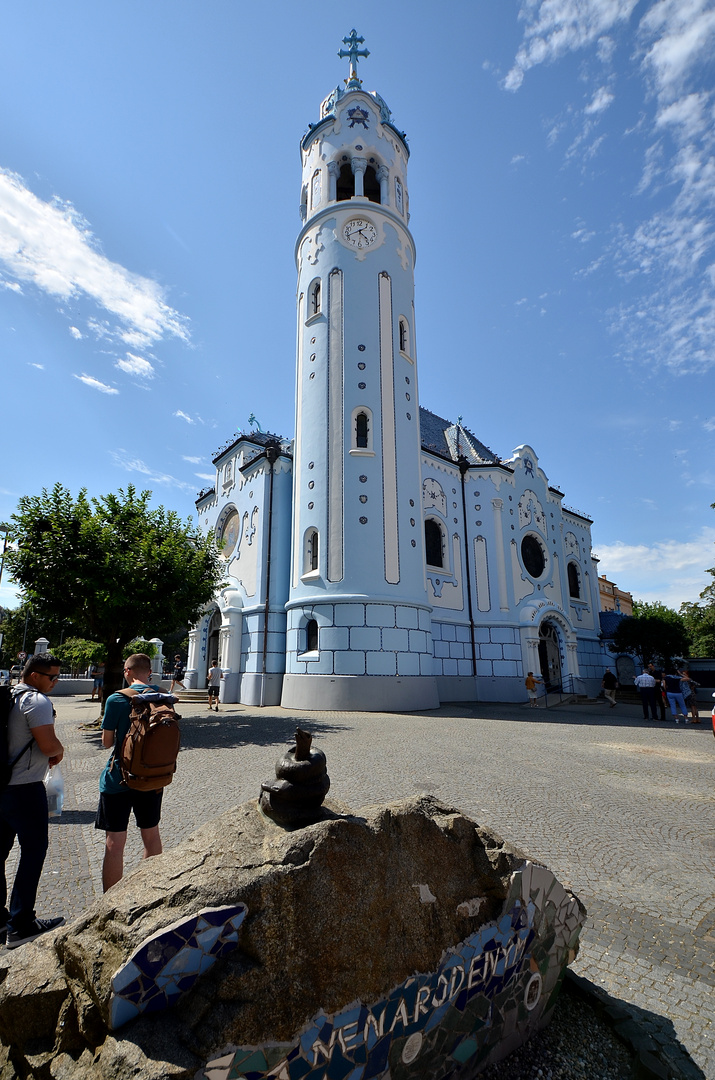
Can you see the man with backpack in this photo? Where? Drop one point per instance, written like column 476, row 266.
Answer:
column 116, row 799
column 32, row 745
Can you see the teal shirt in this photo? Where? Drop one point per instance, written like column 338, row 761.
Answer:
column 116, row 719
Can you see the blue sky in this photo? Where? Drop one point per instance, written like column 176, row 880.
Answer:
column 561, row 182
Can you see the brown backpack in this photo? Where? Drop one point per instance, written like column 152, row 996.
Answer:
column 147, row 757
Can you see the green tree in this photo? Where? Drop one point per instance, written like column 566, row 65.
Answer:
column 654, row 633
column 25, row 624
column 112, row 566
column 77, row 654
column 139, row 645
column 700, row 622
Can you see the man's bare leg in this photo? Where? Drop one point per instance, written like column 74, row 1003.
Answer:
column 113, row 865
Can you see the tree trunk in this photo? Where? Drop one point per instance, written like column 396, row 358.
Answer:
column 113, row 670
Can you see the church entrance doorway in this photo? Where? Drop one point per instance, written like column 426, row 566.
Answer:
column 213, row 637
column 550, row 656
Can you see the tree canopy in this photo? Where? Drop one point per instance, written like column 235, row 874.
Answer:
column 654, row 633
column 700, row 618
column 113, row 567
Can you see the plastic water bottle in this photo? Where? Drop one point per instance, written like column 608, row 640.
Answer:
column 55, row 788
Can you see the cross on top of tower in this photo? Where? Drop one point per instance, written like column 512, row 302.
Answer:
column 353, row 52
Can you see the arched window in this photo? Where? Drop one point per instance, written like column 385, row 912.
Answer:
column 311, row 636
column 404, row 335
column 371, row 185
column 346, row 182
column 433, row 543
column 361, row 429
column 314, row 299
column 532, row 554
column 311, row 552
column 574, row 581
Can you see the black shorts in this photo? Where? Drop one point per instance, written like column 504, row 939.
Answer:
column 114, row 810
column 213, row 691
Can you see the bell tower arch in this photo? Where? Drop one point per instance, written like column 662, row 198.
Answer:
column 357, row 482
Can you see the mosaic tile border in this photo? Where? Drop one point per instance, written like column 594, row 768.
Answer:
column 485, row 998
column 168, row 963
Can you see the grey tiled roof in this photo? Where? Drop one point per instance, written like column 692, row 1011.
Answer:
column 447, row 439
column 609, row 621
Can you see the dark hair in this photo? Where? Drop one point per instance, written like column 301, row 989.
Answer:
column 41, row 661
column 138, row 660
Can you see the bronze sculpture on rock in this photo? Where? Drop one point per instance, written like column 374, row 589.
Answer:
column 296, row 796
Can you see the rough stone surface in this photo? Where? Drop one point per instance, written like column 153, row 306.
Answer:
column 334, row 914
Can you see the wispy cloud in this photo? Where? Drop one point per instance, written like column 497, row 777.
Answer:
column 185, row 416
column 95, row 384
column 76, row 334
column 132, row 464
column 191, row 460
column 600, row 101
column 556, row 27
column 51, row 246
column 40, row 367
column 136, row 365
column 673, row 571
column 668, row 257
column 205, row 476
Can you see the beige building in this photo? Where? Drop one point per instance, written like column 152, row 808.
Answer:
column 612, row 598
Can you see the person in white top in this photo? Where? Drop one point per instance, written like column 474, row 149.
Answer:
column 214, row 683
column 646, row 688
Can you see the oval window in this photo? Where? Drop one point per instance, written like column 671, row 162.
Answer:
column 229, row 533
column 533, row 556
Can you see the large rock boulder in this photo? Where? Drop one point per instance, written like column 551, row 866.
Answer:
column 401, row 937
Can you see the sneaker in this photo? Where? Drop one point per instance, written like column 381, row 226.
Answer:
column 37, row 929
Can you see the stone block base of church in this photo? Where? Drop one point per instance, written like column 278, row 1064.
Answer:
column 360, row 693
column 256, row 689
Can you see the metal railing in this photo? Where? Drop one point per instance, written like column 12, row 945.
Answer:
column 569, row 686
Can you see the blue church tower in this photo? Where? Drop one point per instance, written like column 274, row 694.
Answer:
column 358, row 617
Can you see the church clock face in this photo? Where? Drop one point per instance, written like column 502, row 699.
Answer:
column 359, row 233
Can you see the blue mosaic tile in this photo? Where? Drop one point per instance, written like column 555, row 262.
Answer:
column 434, row 1023
column 168, row 963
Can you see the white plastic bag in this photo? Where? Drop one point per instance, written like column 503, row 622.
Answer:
column 55, row 788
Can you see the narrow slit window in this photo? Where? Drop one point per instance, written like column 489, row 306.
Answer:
column 433, row 544
column 404, row 337
column 315, row 299
column 311, row 636
column 346, row 183
column 361, row 431
column 313, row 551
column 574, row 581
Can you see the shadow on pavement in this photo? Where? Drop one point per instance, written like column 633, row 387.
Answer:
column 222, row 730
column 74, row 817
column 650, row 1037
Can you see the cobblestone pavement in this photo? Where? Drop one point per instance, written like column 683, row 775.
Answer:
column 620, row 809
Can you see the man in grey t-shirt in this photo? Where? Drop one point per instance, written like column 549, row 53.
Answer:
column 23, row 804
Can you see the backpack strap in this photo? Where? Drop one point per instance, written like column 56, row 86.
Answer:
column 16, row 701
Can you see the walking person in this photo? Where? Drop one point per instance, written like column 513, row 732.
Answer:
column 659, row 692
column 97, row 681
column 177, row 678
column 688, row 688
column 609, row 682
column 671, row 683
column 647, row 689
column 530, row 683
column 116, row 800
column 214, row 682
column 33, row 744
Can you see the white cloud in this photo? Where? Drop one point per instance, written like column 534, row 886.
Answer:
column 49, row 245
column 191, row 460
column 517, row 158
column 40, row 367
column 76, row 334
column 95, row 384
column 673, row 571
column 556, row 27
column 709, row 425
column 11, row 285
column 184, row 416
column 684, row 33
column 124, row 460
column 205, row 476
column 600, row 101
column 136, row 365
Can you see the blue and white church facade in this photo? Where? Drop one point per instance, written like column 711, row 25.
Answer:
column 384, row 559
